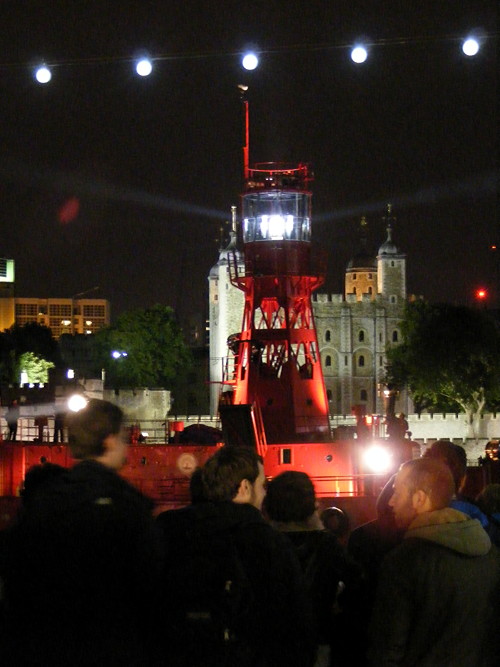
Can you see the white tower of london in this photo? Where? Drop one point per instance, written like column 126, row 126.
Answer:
column 225, row 311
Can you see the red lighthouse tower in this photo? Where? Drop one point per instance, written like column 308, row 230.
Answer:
column 276, row 356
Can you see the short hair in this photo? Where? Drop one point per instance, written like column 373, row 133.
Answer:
column 223, row 473
column 433, row 477
column 290, row 497
column 88, row 428
column 453, row 456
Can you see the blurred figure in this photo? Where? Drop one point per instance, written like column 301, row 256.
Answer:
column 434, row 600
column 11, row 417
column 489, row 502
column 291, row 506
column 84, row 559
column 58, row 426
column 337, row 522
column 367, row 546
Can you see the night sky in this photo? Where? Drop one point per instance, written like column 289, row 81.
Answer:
column 112, row 180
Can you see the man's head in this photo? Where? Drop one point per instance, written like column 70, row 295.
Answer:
column 96, row 433
column 421, row 485
column 290, row 497
column 453, row 456
column 234, row 474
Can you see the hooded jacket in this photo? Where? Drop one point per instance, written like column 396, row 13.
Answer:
column 436, row 595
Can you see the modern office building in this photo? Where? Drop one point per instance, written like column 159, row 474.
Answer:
column 62, row 316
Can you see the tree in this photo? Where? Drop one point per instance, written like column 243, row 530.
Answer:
column 449, row 358
column 29, row 338
column 149, row 346
column 36, row 369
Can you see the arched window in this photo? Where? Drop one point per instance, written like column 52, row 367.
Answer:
column 354, row 290
column 328, row 360
column 395, row 337
column 329, row 394
column 361, row 360
column 328, row 335
column 354, row 276
column 363, row 395
column 370, row 290
column 393, row 299
column 361, row 336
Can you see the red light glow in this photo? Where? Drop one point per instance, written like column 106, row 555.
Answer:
column 481, row 294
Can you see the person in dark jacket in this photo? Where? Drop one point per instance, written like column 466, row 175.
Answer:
column 368, row 545
column 291, row 506
column 223, row 542
column 437, row 590
column 83, row 562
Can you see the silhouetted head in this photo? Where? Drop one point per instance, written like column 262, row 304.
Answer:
column 290, row 497
column 453, row 456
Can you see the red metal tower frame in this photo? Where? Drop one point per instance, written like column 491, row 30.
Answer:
column 276, row 356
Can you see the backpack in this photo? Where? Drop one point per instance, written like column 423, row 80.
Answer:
column 211, row 599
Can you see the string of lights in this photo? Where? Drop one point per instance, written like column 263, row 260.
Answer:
column 359, row 52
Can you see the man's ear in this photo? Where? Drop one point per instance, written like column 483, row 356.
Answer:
column 244, row 492
column 421, row 501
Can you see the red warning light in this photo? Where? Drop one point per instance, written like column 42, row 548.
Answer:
column 481, row 294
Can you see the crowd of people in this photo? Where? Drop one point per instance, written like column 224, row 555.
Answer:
column 252, row 573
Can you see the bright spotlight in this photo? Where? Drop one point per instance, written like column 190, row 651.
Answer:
column 144, row 67
column 43, row 74
column 470, row 46
column 250, row 61
column 77, row 402
column 359, row 54
column 378, row 459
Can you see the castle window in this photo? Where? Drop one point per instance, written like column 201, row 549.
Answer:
column 381, row 361
column 328, row 335
column 361, row 360
column 328, row 360
column 370, row 290
column 329, row 394
column 380, row 337
column 354, row 290
column 345, row 361
column 354, row 276
column 392, row 263
column 361, row 336
column 394, row 336
column 363, row 395
column 393, row 299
